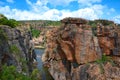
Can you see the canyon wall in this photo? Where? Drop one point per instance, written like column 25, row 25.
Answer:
column 16, row 48
column 78, row 51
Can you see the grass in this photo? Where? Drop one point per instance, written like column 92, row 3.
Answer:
column 3, row 36
column 104, row 60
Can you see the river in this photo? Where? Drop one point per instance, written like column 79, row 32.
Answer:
column 44, row 71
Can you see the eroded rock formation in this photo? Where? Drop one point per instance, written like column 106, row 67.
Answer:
column 72, row 50
column 16, row 48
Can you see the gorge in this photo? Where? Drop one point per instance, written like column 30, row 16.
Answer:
column 77, row 49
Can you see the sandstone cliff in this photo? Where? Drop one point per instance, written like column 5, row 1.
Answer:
column 77, row 51
column 16, row 48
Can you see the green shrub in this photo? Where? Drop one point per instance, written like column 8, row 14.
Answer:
column 10, row 73
column 103, row 60
column 3, row 36
column 10, row 22
column 34, row 74
column 35, row 32
column 52, row 23
column 14, row 49
column 104, row 22
column 93, row 25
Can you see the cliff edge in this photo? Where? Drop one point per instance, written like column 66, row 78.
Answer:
column 16, row 49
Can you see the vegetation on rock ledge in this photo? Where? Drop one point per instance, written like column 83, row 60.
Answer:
column 35, row 32
column 14, row 49
column 3, row 36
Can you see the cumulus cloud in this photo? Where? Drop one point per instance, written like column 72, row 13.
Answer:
column 38, row 6
column 40, row 10
column 117, row 19
column 17, row 14
column 67, row 2
column 10, row 1
column 53, row 14
column 54, row 3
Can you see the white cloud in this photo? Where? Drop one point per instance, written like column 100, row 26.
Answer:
column 5, row 10
column 60, row 2
column 18, row 14
column 38, row 6
column 88, row 2
column 28, row 2
column 53, row 14
column 39, row 10
column 10, row 1
column 111, row 10
column 63, row 2
column 89, row 13
column 117, row 19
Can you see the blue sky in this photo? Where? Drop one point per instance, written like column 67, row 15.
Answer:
column 59, row 9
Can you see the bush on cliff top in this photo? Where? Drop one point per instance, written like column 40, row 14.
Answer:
column 10, row 22
column 101, row 21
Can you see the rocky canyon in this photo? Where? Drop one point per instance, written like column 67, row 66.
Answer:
column 79, row 51
column 74, row 49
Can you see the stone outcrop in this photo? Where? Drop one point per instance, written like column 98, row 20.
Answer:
column 16, row 48
column 109, row 39
column 38, row 41
column 72, row 50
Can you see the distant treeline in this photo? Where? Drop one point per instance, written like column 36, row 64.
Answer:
column 41, row 23
column 46, row 23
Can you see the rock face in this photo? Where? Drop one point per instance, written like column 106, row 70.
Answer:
column 72, row 50
column 16, row 48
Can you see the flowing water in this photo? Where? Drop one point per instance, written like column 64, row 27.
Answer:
column 44, row 71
